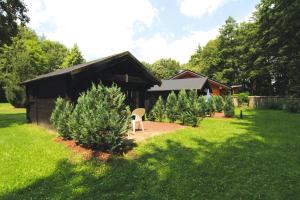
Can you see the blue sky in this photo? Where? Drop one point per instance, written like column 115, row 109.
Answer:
column 150, row 29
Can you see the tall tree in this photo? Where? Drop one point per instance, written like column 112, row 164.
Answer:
column 278, row 40
column 165, row 68
column 229, row 54
column 74, row 57
column 196, row 61
column 55, row 53
column 11, row 11
column 25, row 58
column 211, row 60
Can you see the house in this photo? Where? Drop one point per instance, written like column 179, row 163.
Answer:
column 235, row 89
column 123, row 69
column 185, row 80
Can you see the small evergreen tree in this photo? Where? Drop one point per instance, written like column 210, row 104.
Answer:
column 60, row 117
column 203, row 106
column 183, row 103
column 101, row 118
column 158, row 109
column 150, row 116
column 211, row 107
column 228, row 107
column 193, row 109
column 171, row 107
column 219, row 103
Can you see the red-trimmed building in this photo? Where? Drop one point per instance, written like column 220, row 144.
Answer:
column 186, row 80
column 216, row 88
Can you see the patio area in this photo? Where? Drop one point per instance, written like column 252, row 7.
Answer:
column 152, row 129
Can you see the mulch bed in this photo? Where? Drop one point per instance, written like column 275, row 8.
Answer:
column 220, row 115
column 87, row 153
column 153, row 129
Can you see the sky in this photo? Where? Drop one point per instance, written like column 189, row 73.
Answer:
column 149, row 29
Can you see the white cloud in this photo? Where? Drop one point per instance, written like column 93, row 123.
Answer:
column 104, row 27
column 99, row 27
column 198, row 8
column 181, row 49
column 248, row 17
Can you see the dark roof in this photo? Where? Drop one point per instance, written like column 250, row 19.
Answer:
column 180, row 84
column 224, row 85
column 200, row 76
column 98, row 62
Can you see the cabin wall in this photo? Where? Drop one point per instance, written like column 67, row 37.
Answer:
column 42, row 94
column 41, row 97
column 215, row 89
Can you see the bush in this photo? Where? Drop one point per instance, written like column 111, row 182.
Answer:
column 171, row 107
column 228, row 107
column 243, row 98
column 158, row 110
column 211, row 107
column 183, row 103
column 274, row 105
column 15, row 95
column 219, row 103
column 292, row 106
column 203, row 106
column 192, row 109
column 101, row 118
column 61, row 116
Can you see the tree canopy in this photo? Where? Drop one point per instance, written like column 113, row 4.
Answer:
column 73, row 57
column 262, row 54
column 11, row 12
column 26, row 57
column 164, row 68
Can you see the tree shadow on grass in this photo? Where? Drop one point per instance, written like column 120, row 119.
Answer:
column 12, row 119
column 247, row 166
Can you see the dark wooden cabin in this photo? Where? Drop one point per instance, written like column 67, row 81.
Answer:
column 123, row 69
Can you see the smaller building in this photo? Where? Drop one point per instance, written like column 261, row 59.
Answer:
column 185, row 80
column 235, row 89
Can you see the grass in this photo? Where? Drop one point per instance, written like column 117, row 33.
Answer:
column 257, row 157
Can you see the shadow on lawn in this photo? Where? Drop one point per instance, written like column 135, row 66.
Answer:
column 260, row 164
column 11, row 119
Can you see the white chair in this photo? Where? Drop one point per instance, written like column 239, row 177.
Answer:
column 138, row 117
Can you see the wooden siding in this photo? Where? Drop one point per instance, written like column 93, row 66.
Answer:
column 41, row 98
column 41, row 95
column 218, row 89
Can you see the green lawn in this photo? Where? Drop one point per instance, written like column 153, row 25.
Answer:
column 257, row 157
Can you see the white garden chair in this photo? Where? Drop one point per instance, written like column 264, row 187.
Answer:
column 138, row 117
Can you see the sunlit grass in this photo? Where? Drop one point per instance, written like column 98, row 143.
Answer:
column 252, row 158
